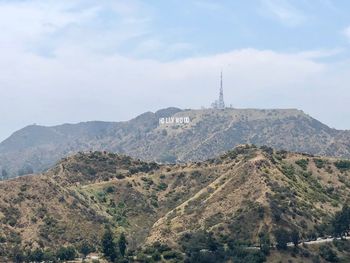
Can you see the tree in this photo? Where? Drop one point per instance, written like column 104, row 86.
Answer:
column 122, row 243
column 265, row 243
column 85, row 248
column 66, row 253
column 17, row 255
column 36, row 256
column 282, row 238
column 295, row 237
column 328, row 254
column 109, row 247
column 341, row 221
column 203, row 247
column 49, row 256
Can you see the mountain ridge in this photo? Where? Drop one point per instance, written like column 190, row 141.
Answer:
column 210, row 132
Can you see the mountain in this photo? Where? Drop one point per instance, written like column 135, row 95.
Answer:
column 236, row 197
column 209, row 133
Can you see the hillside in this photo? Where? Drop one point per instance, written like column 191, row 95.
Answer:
column 210, row 133
column 236, row 196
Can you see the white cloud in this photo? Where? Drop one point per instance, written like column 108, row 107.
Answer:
column 86, row 78
column 156, row 48
column 283, row 11
column 39, row 26
column 79, row 85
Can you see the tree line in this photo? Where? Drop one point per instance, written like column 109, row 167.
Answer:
column 113, row 249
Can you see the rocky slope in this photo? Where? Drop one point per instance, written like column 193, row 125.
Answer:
column 236, row 196
column 211, row 132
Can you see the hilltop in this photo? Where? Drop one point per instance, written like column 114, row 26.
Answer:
column 235, row 197
column 210, row 133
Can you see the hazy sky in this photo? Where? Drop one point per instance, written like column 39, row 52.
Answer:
column 78, row 60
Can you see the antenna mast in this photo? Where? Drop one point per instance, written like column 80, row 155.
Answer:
column 221, row 104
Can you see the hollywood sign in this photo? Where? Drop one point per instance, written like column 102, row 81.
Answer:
column 174, row 120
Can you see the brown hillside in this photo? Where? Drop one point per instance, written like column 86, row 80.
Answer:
column 235, row 196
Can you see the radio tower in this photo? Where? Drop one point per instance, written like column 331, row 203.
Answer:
column 221, row 103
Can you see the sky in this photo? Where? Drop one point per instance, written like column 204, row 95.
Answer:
column 69, row 61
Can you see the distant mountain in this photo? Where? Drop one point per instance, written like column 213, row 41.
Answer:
column 210, row 132
column 240, row 197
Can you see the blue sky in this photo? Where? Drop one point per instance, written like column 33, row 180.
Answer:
column 210, row 27
column 78, row 60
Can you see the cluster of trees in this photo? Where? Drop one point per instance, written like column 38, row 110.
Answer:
column 204, row 247
column 38, row 255
column 114, row 250
column 283, row 237
column 341, row 222
column 264, row 242
column 339, row 226
column 200, row 246
column 343, row 165
column 328, row 254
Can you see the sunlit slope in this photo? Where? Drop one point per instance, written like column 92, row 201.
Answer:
column 241, row 193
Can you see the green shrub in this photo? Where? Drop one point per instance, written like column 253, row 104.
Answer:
column 162, row 186
column 85, row 248
column 172, row 255
column 110, row 189
column 265, row 242
column 342, row 245
column 328, row 254
column 288, row 170
column 156, row 256
column 282, row 238
column 119, row 176
column 66, row 253
column 343, row 165
column 101, row 196
column 267, row 149
column 11, row 215
column 24, row 187
column 35, row 256
column 319, row 163
column 161, row 247
column 193, row 244
column 303, row 163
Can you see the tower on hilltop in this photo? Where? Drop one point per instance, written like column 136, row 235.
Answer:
column 220, row 104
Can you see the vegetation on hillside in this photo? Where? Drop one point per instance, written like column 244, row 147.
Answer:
column 210, row 133
column 247, row 205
